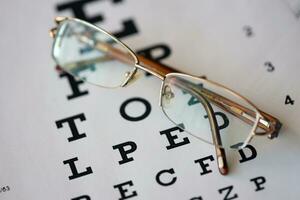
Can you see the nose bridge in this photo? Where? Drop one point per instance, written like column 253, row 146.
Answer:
column 155, row 68
column 152, row 72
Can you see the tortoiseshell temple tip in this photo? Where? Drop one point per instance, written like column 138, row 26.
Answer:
column 222, row 162
column 223, row 171
column 277, row 128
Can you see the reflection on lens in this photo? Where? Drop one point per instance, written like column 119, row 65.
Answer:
column 92, row 55
column 181, row 103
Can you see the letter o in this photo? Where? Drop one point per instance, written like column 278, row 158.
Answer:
column 135, row 118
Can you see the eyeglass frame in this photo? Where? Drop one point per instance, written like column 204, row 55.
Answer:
column 265, row 121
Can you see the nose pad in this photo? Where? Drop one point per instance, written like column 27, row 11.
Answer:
column 130, row 77
column 167, row 94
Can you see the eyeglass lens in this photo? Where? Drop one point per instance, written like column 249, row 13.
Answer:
column 181, row 103
column 91, row 54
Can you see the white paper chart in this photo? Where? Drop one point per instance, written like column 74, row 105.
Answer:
column 61, row 138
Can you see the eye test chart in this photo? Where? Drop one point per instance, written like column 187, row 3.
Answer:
column 61, row 138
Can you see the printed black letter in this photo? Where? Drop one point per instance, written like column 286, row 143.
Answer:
column 75, row 173
column 135, row 118
column 71, row 122
column 227, row 195
column 204, row 165
column 77, row 8
column 76, row 92
column 123, row 191
column 84, row 197
column 121, row 147
column 258, row 181
column 171, row 138
column 251, row 156
column 169, row 171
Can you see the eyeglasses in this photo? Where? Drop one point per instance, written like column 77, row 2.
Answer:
column 91, row 54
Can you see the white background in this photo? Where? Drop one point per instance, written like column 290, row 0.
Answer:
column 206, row 37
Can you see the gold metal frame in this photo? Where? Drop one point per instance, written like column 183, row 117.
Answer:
column 257, row 118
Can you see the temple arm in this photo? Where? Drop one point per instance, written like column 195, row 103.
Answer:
column 220, row 151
